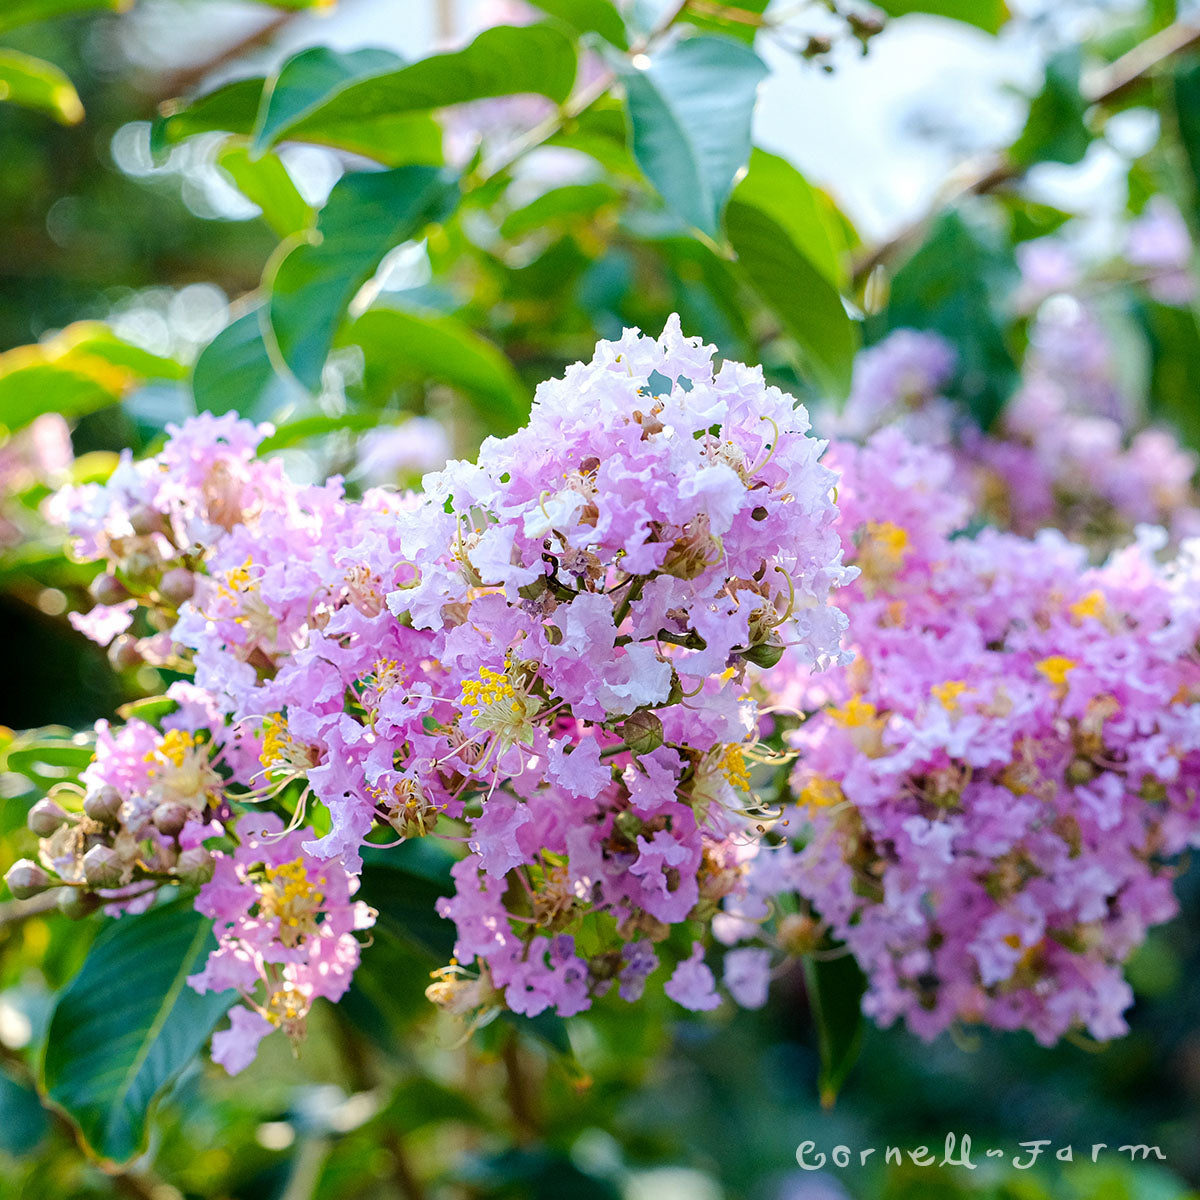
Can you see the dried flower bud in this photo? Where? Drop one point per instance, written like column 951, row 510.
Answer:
column 102, row 867
column 25, row 879
column 177, row 585
column 104, row 805
column 45, row 817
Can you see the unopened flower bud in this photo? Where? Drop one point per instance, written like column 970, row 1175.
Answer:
column 642, row 732
column 195, row 865
column 765, row 654
column 106, row 588
column 144, row 520
column 25, row 879
column 45, row 817
column 76, row 903
column 177, row 585
column 799, row 934
column 104, row 805
column 102, row 867
column 169, row 818
column 123, row 653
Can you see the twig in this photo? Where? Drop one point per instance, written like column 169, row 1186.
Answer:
column 13, row 912
column 984, row 175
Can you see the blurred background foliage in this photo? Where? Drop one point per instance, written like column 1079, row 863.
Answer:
column 382, row 250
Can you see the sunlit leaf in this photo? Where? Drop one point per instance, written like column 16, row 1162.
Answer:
column 24, row 12
column 265, row 181
column 589, row 16
column 988, row 15
column 690, row 107
column 81, row 369
column 35, row 83
column 795, row 288
column 234, row 371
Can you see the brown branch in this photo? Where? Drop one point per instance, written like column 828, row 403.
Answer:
column 983, row 175
column 181, row 81
column 13, row 912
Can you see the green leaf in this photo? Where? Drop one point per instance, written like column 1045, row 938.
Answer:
column 1055, row 129
column 502, row 61
column 265, row 181
column 23, row 1120
column 302, row 428
column 309, row 79
column 1175, row 351
column 589, row 16
column 48, row 757
column 689, row 113
column 403, row 884
column 957, row 285
column 794, row 288
column 127, row 1025
column 988, row 15
column 367, row 213
column 1183, row 112
column 776, row 188
column 559, row 206
column 23, row 12
column 233, row 108
column 35, row 83
column 83, row 368
column 835, row 991
column 403, row 346
column 234, row 370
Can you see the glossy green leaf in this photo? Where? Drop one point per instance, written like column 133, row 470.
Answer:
column 957, row 284
column 589, row 16
column 265, row 181
column 988, row 15
column 690, row 109
column 366, row 215
column 405, row 346
column 128, row 1024
column 801, row 296
column 502, row 61
column 35, row 83
column 403, row 884
column 24, row 12
column 234, row 371
column 23, row 1120
column 308, row 80
column 1055, row 129
column 291, row 433
column 835, row 991
column 232, row 108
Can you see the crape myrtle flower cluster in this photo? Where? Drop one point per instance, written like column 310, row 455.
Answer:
column 544, row 657
column 1067, row 452
column 995, row 786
